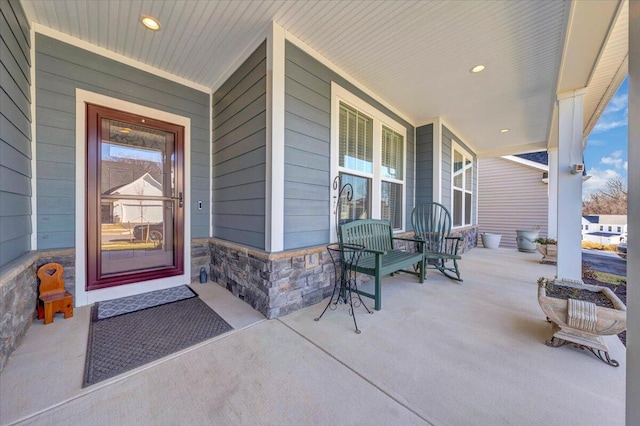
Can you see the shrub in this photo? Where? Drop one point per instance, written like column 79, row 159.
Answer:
column 591, row 245
column 546, row 241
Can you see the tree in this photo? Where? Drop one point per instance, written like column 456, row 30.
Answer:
column 612, row 199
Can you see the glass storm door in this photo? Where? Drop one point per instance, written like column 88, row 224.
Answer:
column 134, row 198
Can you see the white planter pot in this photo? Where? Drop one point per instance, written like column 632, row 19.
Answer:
column 527, row 240
column 490, row 241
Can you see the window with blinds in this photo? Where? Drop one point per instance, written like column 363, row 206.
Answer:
column 462, row 172
column 371, row 159
column 392, row 162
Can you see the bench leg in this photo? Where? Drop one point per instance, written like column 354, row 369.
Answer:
column 422, row 270
column 378, row 293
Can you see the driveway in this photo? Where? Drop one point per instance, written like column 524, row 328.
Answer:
column 605, row 262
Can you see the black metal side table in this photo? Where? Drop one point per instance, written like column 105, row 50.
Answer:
column 344, row 257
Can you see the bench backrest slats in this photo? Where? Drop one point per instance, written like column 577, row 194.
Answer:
column 374, row 234
column 432, row 223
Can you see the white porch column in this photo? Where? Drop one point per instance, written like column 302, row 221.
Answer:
column 569, row 199
column 633, row 218
column 274, row 194
column 437, row 160
column 552, row 214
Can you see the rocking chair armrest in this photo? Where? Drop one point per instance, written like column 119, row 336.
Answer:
column 455, row 246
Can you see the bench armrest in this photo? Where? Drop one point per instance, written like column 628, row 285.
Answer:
column 454, row 238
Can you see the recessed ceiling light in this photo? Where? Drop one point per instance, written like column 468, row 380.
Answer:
column 477, row 69
column 504, row 130
column 150, row 22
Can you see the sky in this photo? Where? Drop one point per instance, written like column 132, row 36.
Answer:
column 605, row 157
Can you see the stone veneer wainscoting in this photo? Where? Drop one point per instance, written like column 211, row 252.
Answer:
column 18, row 291
column 274, row 284
column 277, row 283
column 469, row 236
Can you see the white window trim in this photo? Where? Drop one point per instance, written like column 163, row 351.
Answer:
column 457, row 147
column 340, row 94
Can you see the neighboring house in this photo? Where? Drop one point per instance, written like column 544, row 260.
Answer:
column 135, row 211
column 513, row 195
column 605, row 228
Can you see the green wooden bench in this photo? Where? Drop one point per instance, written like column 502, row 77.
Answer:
column 380, row 258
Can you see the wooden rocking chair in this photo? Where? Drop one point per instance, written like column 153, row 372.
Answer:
column 432, row 224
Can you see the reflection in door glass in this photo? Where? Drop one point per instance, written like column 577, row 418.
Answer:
column 136, row 185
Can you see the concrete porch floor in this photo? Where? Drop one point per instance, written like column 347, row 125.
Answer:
column 441, row 353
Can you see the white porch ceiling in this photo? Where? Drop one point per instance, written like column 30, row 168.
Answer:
column 414, row 54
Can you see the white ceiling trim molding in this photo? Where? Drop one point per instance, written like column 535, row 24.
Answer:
column 49, row 32
column 525, row 162
column 333, row 67
column 512, row 150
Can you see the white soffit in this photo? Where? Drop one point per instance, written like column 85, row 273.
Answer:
column 612, row 68
column 414, row 54
column 594, row 57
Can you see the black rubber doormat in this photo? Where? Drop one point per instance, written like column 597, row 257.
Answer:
column 122, row 343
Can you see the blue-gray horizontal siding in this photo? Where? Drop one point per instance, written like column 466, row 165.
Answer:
column 308, row 148
column 239, row 153
column 424, row 164
column 60, row 69
column 447, row 137
column 15, row 132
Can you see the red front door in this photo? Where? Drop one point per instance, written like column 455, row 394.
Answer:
column 135, row 197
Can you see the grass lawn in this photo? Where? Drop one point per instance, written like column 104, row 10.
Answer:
column 605, row 277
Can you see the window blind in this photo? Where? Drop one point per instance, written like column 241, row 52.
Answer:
column 392, row 154
column 356, row 140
